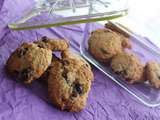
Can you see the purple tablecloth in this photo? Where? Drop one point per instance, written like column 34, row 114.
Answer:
column 107, row 100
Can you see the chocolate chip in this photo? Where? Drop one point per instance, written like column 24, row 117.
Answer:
column 40, row 46
column 159, row 77
column 44, row 38
column 22, row 52
column 63, row 99
column 103, row 51
column 25, row 74
column 87, row 65
column 78, row 88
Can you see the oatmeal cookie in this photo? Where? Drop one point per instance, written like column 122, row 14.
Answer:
column 104, row 44
column 128, row 66
column 69, row 82
column 28, row 62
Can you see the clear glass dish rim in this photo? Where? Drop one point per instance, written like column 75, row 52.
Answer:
column 64, row 20
column 111, row 77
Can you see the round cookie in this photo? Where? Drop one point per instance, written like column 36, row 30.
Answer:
column 53, row 44
column 28, row 62
column 69, row 82
column 153, row 73
column 128, row 66
column 105, row 43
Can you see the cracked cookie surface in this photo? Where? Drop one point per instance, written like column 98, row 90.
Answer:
column 28, row 62
column 128, row 66
column 105, row 43
column 69, row 82
column 126, row 43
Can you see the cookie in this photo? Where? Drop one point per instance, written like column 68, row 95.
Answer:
column 69, row 82
column 153, row 73
column 128, row 66
column 28, row 62
column 103, row 44
column 124, row 36
column 53, row 44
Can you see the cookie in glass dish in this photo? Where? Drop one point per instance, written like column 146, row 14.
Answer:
column 153, row 73
column 103, row 44
column 128, row 66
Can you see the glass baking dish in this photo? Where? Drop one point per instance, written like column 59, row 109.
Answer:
column 143, row 92
column 51, row 13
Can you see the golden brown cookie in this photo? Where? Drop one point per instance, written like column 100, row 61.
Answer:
column 53, row 44
column 105, row 43
column 153, row 73
column 28, row 62
column 128, row 66
column 124, row 36
column 69, row 82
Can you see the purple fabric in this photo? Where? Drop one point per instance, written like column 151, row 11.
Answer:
column 107, row 100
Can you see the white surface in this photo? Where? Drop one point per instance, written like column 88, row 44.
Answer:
column 146, row 13
column 144, row 19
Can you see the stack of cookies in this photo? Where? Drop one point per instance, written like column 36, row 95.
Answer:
column 68, row 77
column 111, row 48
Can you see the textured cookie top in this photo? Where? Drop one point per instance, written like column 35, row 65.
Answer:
column 69, row 82
column 105, row 43
column 52, row 44
column 153, row 73
column 128, row 66
column 28, row 62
